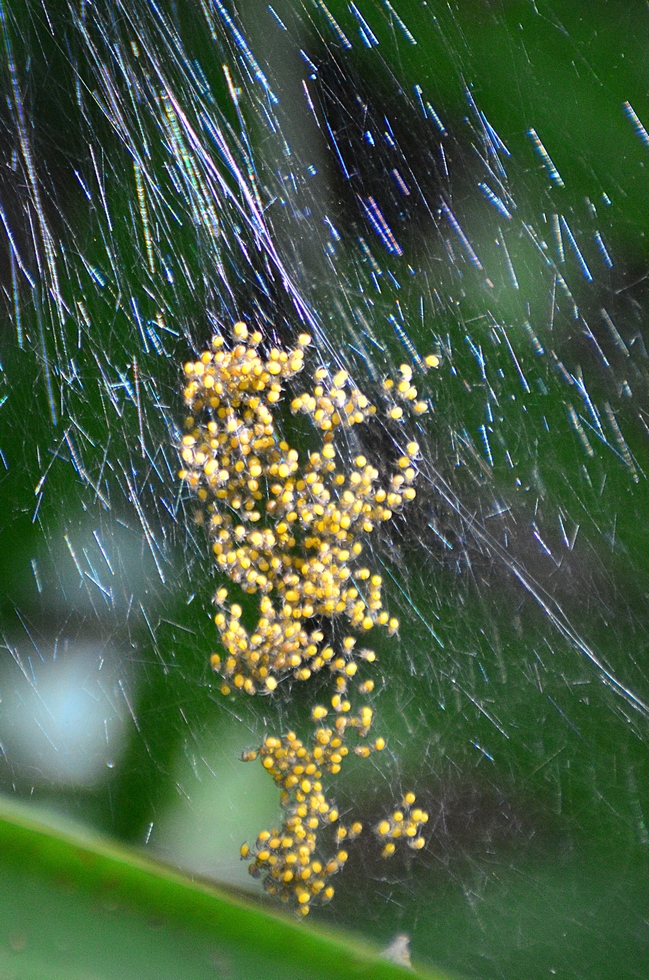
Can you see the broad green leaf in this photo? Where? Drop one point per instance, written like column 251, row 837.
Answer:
column 74, row 906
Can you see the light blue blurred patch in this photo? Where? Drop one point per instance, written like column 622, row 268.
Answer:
column 63, row 713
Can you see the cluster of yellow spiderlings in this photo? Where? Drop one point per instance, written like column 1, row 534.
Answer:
column 286, row 530
column 289, row 530
column 287, row 858
column 403, row 824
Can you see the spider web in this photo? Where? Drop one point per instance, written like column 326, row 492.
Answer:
column 395, row 179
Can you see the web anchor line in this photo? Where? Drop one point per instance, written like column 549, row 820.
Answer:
column 550, row 606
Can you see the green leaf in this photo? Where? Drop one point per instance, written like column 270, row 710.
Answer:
column 78, row 906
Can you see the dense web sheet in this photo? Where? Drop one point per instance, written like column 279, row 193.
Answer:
column 354, row 172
